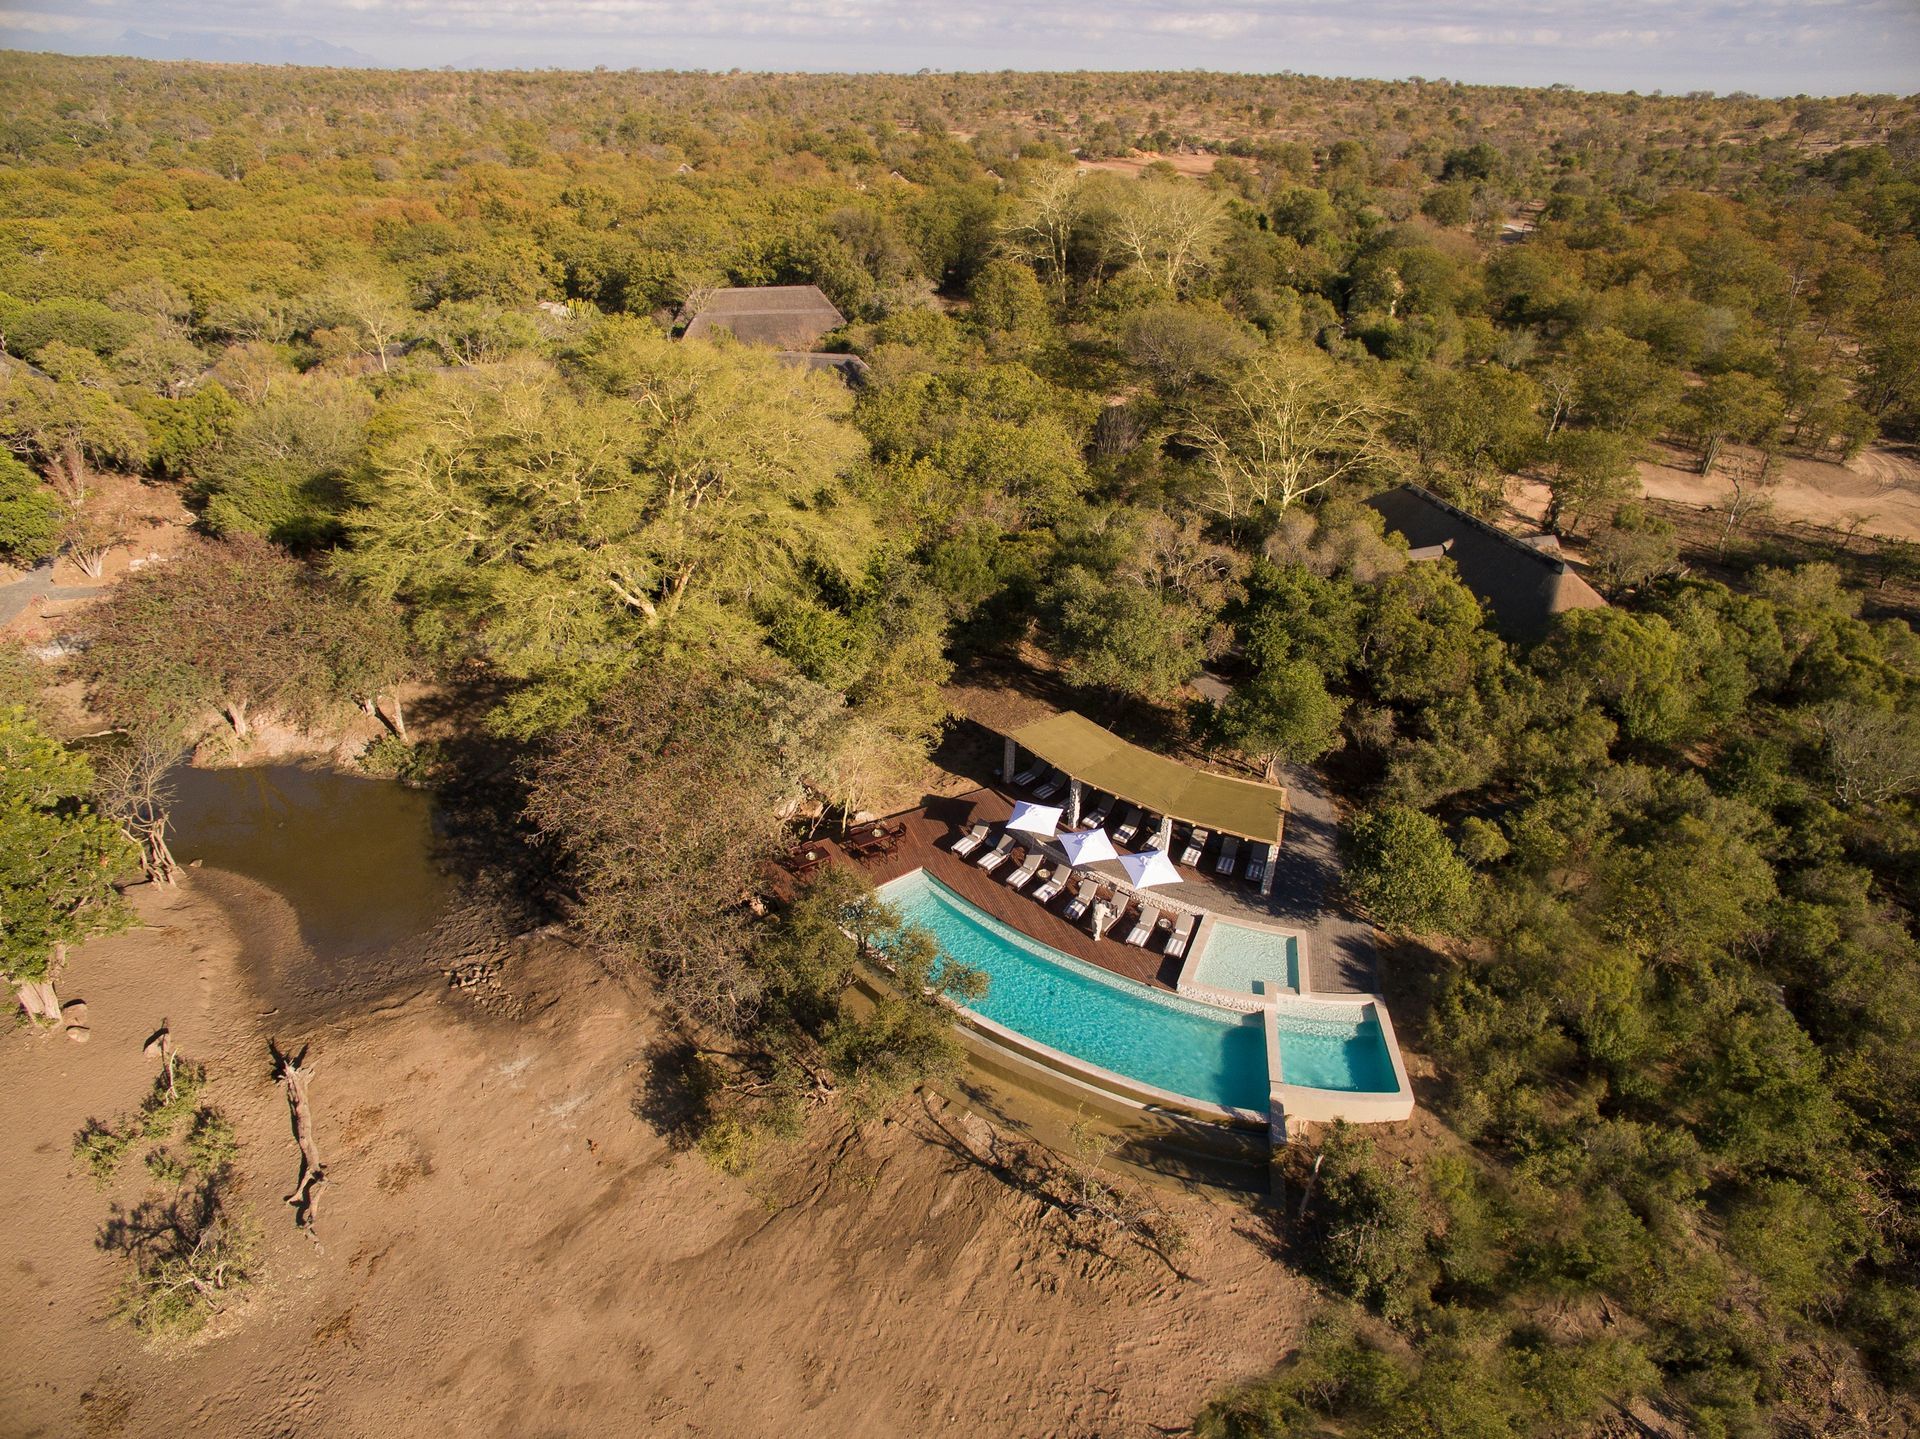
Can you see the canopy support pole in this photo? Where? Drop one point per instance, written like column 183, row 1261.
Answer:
column 1163, row 836
column 1009, row 757
column 1073, row 803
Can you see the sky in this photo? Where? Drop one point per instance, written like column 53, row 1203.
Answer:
column 1769, row 47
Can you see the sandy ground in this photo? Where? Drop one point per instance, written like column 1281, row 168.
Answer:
column 1878, row 492
column 1190, row 165
column 507, row 1246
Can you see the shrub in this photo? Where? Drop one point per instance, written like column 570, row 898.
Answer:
column 1403, row 870
column 101, row 1150
column 31, row 515
column 189, row 1259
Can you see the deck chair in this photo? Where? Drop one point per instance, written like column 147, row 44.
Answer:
column 1129, row 825
column 1256, row 870
column 998, row 855
column 1182, row 935
column 1053, row 883
column 1082, row 897
column 1146, row 924
column 970, row 841
column 1050, row 786
column 1097, row 816
column 1196, row 842
column 1029, row 867
column 1028, row 775
column 1229, row 851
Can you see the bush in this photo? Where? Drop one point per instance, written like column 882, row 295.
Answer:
column 1369, row 1235
column 189, row 1259
column 390, row 757
column 1402, row 869
column 101, row 1150
column 31, row 515
column 211, row 1143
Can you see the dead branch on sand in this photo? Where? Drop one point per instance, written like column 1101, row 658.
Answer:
column 293, row 1071
column 160, row 1046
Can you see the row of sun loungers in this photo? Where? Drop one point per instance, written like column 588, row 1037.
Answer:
column 1147, row 918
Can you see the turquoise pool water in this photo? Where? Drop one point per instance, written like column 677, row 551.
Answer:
column 1195, row 1050
column 1338, row 1052
column 1236, row 955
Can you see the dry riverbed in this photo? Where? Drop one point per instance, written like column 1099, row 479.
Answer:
column 507, row 1245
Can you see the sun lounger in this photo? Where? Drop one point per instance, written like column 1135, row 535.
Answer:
column 998, row 855
column 1097, row 816
column 1028, row 775
column 1082, row 897
column 1129, row 825
column 1196, row 842
column 1029, row 867
column 1143, row 928
column 1229, row 851
column 1182, row 934
column 1053, row 883
column 1050, row 786
column 1256, row 870
column 970, row 841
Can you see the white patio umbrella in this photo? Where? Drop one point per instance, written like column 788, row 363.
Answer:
column 1087, row 846
column 1040, row 819
column 1148, row 868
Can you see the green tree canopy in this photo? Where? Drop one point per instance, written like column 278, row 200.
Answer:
column 680, row 489
column 1403, row 870
column 58, row 860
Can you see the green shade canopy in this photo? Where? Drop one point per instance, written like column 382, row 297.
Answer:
column 1100, row 758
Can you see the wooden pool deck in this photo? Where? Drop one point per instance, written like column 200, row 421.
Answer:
column 931, row 830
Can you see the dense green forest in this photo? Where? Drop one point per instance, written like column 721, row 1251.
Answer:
column 403, row 342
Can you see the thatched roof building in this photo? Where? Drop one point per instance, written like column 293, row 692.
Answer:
column 1522, row 586
column 782, row 317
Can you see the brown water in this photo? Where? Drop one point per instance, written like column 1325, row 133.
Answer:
column 352, row 856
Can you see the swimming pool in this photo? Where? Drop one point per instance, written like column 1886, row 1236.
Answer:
column 1193, row 1050
column 1198, row 1051
column 1237, row 954
column 1347, row 1050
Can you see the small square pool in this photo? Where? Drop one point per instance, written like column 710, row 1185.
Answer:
column 1236, row 955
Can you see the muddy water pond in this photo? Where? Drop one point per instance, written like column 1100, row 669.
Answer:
column 351, row 857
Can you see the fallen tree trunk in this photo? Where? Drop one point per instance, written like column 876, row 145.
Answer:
column 293, row 1073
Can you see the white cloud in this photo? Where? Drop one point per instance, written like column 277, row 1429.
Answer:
column 1682, row 44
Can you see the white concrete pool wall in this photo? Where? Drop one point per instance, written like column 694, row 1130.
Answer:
column 1188, row 984
column 1322, row 1106
column 1097, row 1082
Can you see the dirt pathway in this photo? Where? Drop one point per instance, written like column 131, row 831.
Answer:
column 38, row 586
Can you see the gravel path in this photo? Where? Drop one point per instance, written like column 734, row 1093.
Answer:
column 39, row 585
column 1340, row 955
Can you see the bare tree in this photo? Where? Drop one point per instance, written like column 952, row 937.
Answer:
column 1044, row 219
column 1872, row 754
column 293, row 1071
column 1167, row 229
column 1285, row 427
column 134, row 789
column 1751, row 478
column 373, row 311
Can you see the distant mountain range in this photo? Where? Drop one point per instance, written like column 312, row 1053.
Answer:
column 239, row 49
